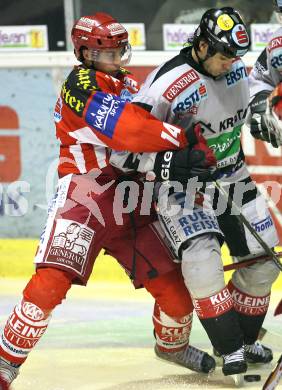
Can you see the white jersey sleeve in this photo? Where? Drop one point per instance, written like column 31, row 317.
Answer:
column 267, row 71
column 129, row 162
column 150, row 98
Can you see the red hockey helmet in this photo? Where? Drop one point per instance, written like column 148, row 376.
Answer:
column 99, row 31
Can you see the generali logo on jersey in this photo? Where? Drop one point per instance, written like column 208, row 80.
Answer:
column 274, row 44
column 183, row 82
column 70, row 245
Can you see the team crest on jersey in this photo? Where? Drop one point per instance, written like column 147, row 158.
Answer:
column 179, row 85
column 237, row 74
column 70, row 245
column 189, row 101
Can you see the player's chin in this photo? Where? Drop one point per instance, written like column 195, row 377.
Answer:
column 221, row 73
column 113, row 70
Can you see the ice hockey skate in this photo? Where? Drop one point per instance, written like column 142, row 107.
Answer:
column 3, row 384
column 234, row 365
column 191, row 357
column 8, row 372
column 258, row 353
column 235, row 362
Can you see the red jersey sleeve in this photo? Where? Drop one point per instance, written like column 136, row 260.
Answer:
column 112, row 121
column 125, row 126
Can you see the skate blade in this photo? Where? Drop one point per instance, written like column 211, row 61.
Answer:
column 237, row 380
column 181, row 365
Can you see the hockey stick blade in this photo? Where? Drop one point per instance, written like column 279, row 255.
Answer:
column 278, row 309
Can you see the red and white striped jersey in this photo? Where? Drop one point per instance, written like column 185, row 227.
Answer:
column 92, row 115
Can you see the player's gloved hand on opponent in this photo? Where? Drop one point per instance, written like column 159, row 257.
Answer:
column 196, row 160
column 265, row 123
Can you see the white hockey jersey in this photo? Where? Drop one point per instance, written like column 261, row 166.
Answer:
column 267, row 71
column 179, row 92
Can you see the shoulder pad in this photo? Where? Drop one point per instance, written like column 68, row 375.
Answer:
column 78, row 87
column 84, row 79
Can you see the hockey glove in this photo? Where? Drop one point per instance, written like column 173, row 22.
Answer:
column 196, row 160
column 265, row 123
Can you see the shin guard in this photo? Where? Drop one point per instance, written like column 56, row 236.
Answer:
column 24, row 328
column 251, row 312
column 220, row 321
column 30, row 318
column 173, row 310
column 172, row 334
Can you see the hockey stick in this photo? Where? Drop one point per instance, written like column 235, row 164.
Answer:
column 247, row 224
column 274, row 377
column 278, row 309
column 245, row 263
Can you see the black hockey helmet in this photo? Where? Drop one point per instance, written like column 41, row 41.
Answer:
column 225, row 32
column 277, row 5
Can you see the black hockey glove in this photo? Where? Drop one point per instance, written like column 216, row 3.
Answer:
column 182, row 165
column 196, row 160
column 264, row 124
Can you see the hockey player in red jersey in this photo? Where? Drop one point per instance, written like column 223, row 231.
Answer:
column 90, row 210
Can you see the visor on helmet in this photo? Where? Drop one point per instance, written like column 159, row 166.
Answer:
column 119, row 55
column 98, row 32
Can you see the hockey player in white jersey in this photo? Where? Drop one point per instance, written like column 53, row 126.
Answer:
column 264, row 118
column 207, row 83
